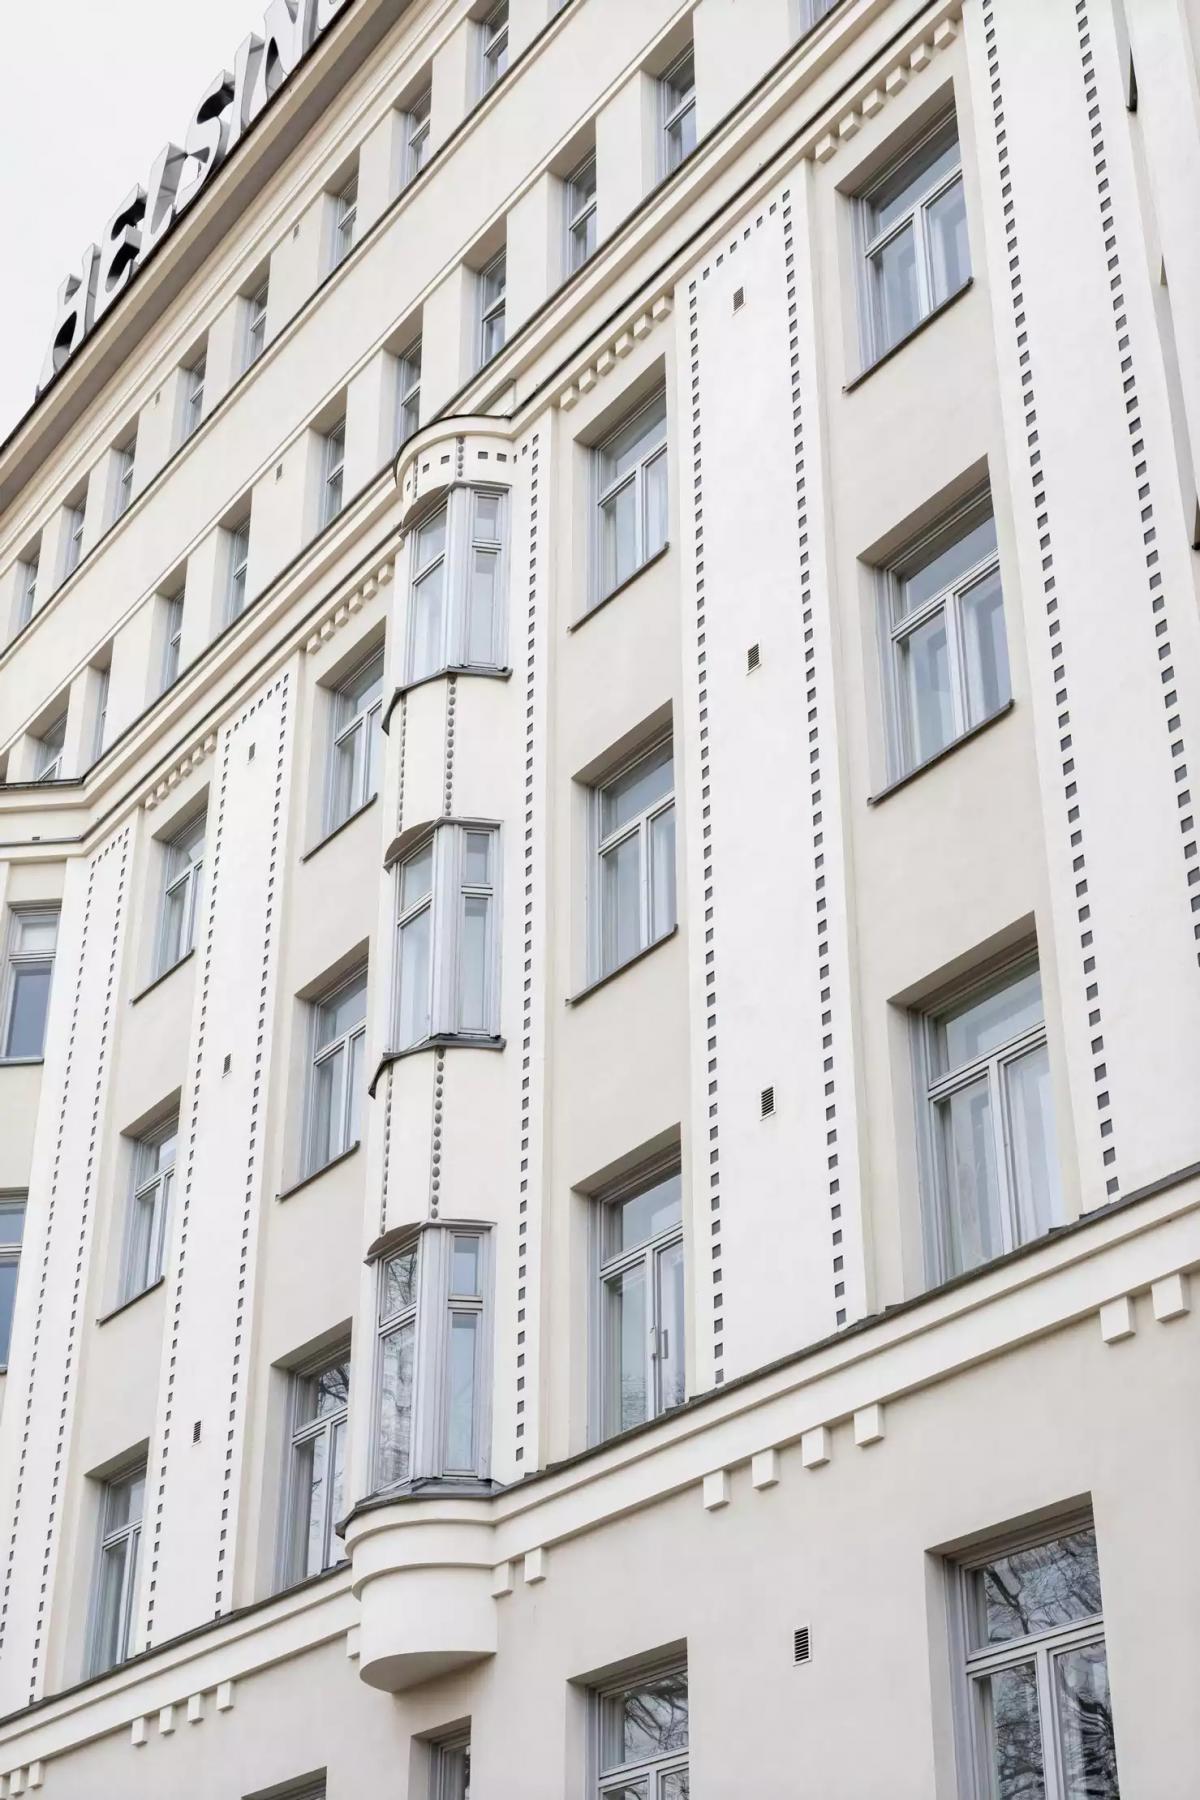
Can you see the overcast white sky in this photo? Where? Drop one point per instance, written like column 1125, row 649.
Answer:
column 92, row 89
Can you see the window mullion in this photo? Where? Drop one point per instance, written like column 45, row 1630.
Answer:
column 998, row 1097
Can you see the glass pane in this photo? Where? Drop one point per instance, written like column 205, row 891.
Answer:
column 27, row 1018
column 399, row 1283
column 644, row 1215
column 330, row 1390
column 415, row 1015
column 8, row 1299
column 12, row 1221
column 656, row 506
column 477, row 858
column 630, row 445
column 638, row 789
column 621, row 903
column 942, row 567
column 983, row 1024
column 1012, row 1733
column 925, row 688
column 140, row 1273
column 618, row 537
column 337, row 1489
column 681, row 138
column 36, row 934
column 174, row 924
column 487, row 518
column 431, row 541
column 985, row 648
column 427, row 652
column 464, row 1267
column 454, row 1773
column 311, row 1475
column 901, row 191
column 416, row 878
column 474, row 1009
column 327, row 1109
column 395, row 1405
column 972, row 1225
column 671, row 1387
column 674, row 1786
column 949, row 254
column 110, row 1613
column 374, row 734
column 460, row 1397
column 346, row 784
column 662, row 874
column 1087, row 1750
column 628, row 1790
column 653, row 1718
column 897, row 299
column 340, row 1014
column 1037, row 1589
column 493, row 335
column 626, row 1329
column 481, row 613
column 1030, row 1120
column 358, row 1078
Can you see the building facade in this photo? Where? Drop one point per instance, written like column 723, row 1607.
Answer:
column 599, row 1143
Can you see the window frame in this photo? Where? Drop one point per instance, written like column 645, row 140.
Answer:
column 581, row 213
column 418, row 116
column 255, row 341
column 190, row 878
column 126, row 458
column 172, row 640
column 676, row 103
column 320, row 1053
column 12, row 1201
column 100, row 721
column 333, row 472
column 445, row 903
column 237, row 551
column 156, row 1186
column 196, row 376
column 73, row 542
column 367, row 718
column 870, row 243
column 493, row 309
column 493, row 47
column 31, row 567
column 456, row 559
column 302, row 1432
column 616, row 1779
column 446, row 1782
column 17, row 959
column 606, row 1265
column 128, row 1534
column 408, row 393
column 51, row 745
column 603, row 493
column 345, row 221
column 602, row 845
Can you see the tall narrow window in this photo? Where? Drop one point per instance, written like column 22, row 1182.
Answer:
column 994, row 1174
column 948, row 651
column 634, row 896
column 338, row 1072
column 256, row 323
column 493, row 281
column 32, row 940
column 678, row 89
column 149, row 1210
column 172, row 639
column 357, row 719
column 408, row 393
column 73, row 550
column 345, row 221
column 237, row 551
column 642, row 1738
column 631, row 499
column 317, row 1474
column 914, row 225
column 494, row 37
column 27, row 582
column 581, row 214
column 116, row 1583
column 1036, row 1672
column 183, row 885
column 100, row 726
column 12, row 1232
column 456, row 604
column 447, row 957
column 333, row 473
column 451, row 1768
column 641, row 1300
column 193, row 395
column 48, row 763
column 123, row 492
column 397, row 1365
column 414, row 960
column 416, row 147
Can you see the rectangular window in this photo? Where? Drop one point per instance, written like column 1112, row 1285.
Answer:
column 641, row 1300
column 397, row 1363
column 101, row 724
column 117, row 1575
column 451, row 1768
column 457, row 584
column 48, row 763
column 633, row 901
column 357, row 728
column 73, row 549
column 493, row 281
column 317, row 1468
column 182, row 889
column 12, row 1231
column 149, row 1210
column 27, row 581
column 678, row 90
column 333, row 473
column 631, row 496
column 947, row 650
column 237, row 551
column 914, row 232
column 32, row 940
column 992, row 1165
column 408, row 393
column 193, row 395
column 494, row 37
column 641, row 1737
column 447, row 953
column 416, row 135
column 172, row 640
column 1036, row 1672
column 124, row 479
column 339, row 1041
column 256, row 323
column 581, row 214
column 813, row 11
column 345, row 220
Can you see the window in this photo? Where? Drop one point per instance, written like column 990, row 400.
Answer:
column 149, row 1210
column 581, row 214
column 116, row 1582
column 27, row 581
column 678, row 89
column 73, row 551
column 339, row 1040
column 1036, row 1672
column 946, row 646
column 12, row 1231
column 642, row 1738
column 914, row 224
column 813, row 11
column 49, row 756
column 334, row 473
column 357, row 723
column 32, row 939
column 451, row 1768
column 408, row 393
column 495, row 46
column 431, row 1372
column 416, row 146
column 193, row 395
column 993, row 1170
column 345, row 217
column 181, row 894
column 492, row 282
column 641, row 1300
column 101, row 725
column 173, row 639
column 447, row 953
column 256, row 323
column 456, row 601
column 631, row 499
column 125, row 460
column 317, row 1468
column 634, row 897
column 237, row 551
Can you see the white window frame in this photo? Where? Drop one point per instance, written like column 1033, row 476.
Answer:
column 188, row 877
column 13, row 1203
column 256, row 323
column 151, row 1188
column 101, row 717
column 678, row 103
column 408, row 393
column 18, row 959
column 605, row 1266
column 1039, row 1648
column 493, row 47
column 73, row 545
column 615, row 1779
column 445, row 903
column 126, row 458
column 603, row 845
column 51, row 746
column 417, row 119
column 349, row 718
column 345, row 221
column 463, row 536
column 195, row 376
column 297, row 1494
column 341, row 1047
column 581, row 214
column 128, row 1535
column 872, row 242
column 493, row 304
column 605, row 492
column 450, row 1766
column 237, row 551
column 333, row 472
column 172, row 639
column 27, row 599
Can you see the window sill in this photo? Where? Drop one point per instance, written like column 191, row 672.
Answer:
column 132, row 1301
column 620, row 588
column 165, row 976
column 603, row 981
column 316, row 1174
column 21, row 1062
column 407, row 687
column 902, row 781
column 445, row 1040
column 922, row 325
column 338, row 829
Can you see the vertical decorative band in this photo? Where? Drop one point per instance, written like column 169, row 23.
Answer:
column 527, row 944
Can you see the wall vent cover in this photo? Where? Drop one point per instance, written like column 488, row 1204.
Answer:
column 766, row 1103
column 739, row 299
column 801, row 1645
column 753, row 659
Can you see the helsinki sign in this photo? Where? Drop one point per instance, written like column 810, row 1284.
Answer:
column 227, row 108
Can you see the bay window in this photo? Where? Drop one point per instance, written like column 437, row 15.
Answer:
column 447, row 955
column 457, row 583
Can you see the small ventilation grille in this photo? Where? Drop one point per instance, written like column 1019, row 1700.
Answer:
column 739, row 299
column 766, row 1103
column 753, row 658
column 801, row 1645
